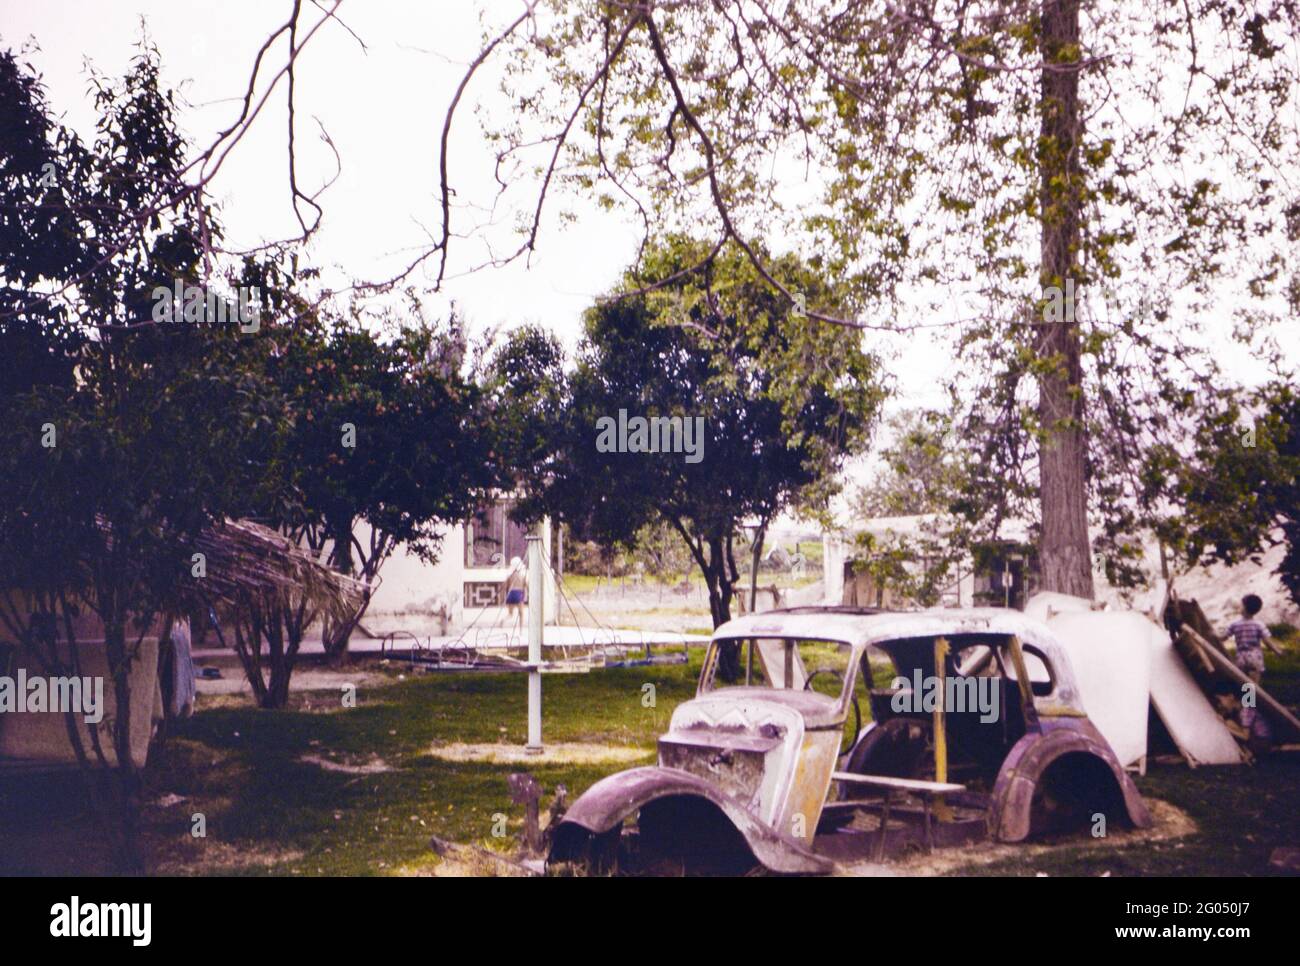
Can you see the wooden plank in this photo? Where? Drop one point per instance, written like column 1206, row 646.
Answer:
column 1193, row 653
column 1191, row 616
column 940, row 733
column 902, row 784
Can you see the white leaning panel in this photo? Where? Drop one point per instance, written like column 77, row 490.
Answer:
column 1112, row 664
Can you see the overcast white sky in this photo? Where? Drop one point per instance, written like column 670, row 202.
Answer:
column 383, row 107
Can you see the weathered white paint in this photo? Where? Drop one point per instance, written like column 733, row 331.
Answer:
column 410, row 585
column 1112, row 663
column 1125, row 663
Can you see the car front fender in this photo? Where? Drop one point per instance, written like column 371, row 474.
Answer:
column 612, row 800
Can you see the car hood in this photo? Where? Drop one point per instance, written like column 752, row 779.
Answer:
column 815, row 709
column 746, row 741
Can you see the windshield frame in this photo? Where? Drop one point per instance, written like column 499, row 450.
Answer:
column 708, row 672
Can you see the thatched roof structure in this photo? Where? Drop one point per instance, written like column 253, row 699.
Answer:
column 248, row 569
column 247, row 562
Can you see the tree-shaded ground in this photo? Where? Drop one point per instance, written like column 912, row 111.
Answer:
column 267, row 810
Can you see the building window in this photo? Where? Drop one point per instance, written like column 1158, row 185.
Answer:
column 483, row 593
column 1006, row 575
column 492, row 539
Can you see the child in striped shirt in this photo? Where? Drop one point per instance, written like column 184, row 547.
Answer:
column 1251, row 637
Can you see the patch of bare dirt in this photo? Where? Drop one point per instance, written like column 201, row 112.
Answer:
column 558, row 753
column 371, row 765
column 469, row 861
column 1168, row 822
column 213, row 857
column 233, row 682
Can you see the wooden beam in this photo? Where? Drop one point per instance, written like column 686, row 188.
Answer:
column 941, row 809
column 900, row 784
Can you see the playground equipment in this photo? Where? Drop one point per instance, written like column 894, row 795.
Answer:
column 582, row 645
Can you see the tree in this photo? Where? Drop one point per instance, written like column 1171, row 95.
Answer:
column 767, row 409
column 662, row 552
column 1093, row 181
column 1064, row 550
column 1241, row 485
column 387, row 431
column 524, row 388
column 924, row 472
column 1132, row 159
column 919, row 472
column 126, row 432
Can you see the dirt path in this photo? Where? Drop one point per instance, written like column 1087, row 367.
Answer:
column 1169, row 823
column 558, row 753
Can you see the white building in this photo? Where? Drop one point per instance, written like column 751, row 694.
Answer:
column 467, row 583
column 1007, row 579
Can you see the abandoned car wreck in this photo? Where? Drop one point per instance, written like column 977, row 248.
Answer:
column 781, row 769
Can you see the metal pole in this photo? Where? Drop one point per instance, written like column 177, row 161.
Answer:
column 535, row 597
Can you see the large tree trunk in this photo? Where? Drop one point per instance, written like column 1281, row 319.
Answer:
column 123, row 780
column 1065, row 557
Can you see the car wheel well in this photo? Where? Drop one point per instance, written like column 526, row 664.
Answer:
column 1072, row 791
column 694, row 832
column 677, row 834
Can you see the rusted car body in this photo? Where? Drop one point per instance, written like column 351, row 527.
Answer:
column 779, row 771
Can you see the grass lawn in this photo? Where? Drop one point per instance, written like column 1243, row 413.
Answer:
column 267, row 810
column 347, row 824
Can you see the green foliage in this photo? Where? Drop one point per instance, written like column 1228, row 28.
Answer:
column 386, row 429
column 662, row 553
column 525, row 385
column 917, row 159
column 783, row 402
column 1241, row 484
column 126, row 431
column 120, row 437
column 921, row 471
column 383, row 443
column 130, row 436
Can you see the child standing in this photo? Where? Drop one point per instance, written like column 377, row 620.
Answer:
column 1251, row 637
column 515, row 597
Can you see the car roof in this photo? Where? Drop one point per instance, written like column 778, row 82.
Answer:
column 860, row 626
